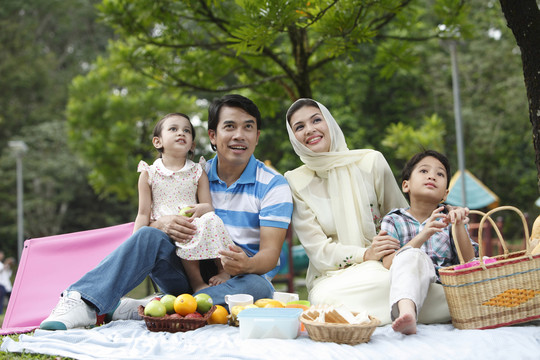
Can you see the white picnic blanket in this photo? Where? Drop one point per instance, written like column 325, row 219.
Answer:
column 121, row 340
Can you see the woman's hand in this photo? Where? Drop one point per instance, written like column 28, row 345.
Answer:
column 382, row 245
column 178, row 228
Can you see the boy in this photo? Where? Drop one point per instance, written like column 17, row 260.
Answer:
column 424, row 237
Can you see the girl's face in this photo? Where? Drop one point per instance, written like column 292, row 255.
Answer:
column 176, row 137
column 311, row 129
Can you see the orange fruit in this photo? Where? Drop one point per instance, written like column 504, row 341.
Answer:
column 185, row 304
column 219, row 316
column 299, row 306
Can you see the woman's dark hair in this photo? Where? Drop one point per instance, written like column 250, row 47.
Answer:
column 300, row 103
column 159, row 128
column 233, row 101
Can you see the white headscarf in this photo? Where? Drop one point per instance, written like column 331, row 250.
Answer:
column 348, row 195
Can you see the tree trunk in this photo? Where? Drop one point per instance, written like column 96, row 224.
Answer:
column 523, row 18
column 300, row 53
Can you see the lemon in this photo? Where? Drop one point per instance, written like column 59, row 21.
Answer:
column 235, row 310
column 265, row 303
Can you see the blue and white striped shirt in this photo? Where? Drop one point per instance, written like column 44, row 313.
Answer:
column 260, row 197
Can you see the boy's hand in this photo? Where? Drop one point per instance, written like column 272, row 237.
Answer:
column 435, row 223
column 458, row 215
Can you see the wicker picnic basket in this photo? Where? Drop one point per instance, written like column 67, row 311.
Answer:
column 174, row 324
column 350, row 334
column 500, row 293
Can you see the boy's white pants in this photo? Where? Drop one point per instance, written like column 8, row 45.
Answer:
column 411, row 274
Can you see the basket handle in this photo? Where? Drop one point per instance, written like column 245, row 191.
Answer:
column 483, row 214
column 487, row 216
column 523, row 220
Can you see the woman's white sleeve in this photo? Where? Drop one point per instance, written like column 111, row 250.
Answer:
column 324, row 252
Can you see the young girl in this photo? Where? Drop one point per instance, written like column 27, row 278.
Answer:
column 175, row 182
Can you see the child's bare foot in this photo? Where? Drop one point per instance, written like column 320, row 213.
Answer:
column 405, row 324
column 220, row 278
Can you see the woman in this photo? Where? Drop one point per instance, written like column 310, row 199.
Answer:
column 340, row 196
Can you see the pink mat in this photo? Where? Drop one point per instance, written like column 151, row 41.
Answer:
column 49, row 265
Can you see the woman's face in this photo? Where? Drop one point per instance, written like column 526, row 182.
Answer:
column 311, row 129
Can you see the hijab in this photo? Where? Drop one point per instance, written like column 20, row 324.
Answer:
column 346, row 188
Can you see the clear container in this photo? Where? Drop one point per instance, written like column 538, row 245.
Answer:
column 260, row 323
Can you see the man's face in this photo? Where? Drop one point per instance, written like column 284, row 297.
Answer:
column 235, row 137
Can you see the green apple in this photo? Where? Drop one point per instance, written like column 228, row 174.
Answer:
column 168, row 301
column 204, row 302
column 155, row 308
column 186, row 211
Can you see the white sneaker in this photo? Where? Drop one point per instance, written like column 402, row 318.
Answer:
column 70, row 312
column 128, row 308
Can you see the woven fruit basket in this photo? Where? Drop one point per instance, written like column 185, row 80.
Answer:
column 339, row 333
column 174, row 323
column 501, row 293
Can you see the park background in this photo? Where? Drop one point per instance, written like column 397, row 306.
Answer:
column 83, row 83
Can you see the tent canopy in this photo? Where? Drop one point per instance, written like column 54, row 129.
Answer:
column 477, row 194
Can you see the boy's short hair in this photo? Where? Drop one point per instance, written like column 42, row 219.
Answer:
column 409, row 167
column 233, row 101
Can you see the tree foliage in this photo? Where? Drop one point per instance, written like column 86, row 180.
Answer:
column 274, row 48
column 169, row 53
column 406, row 140
column 111, row 114
column 44, row 43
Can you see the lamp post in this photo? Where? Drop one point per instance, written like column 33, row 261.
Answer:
column 19, row 149
column 457, row 115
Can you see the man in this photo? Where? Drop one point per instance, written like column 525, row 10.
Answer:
column 253, row 201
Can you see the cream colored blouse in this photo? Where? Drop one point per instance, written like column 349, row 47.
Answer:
column 314, row 222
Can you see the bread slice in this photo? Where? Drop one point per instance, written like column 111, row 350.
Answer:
column 534, row 241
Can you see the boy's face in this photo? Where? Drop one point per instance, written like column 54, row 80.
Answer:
column 428, row 181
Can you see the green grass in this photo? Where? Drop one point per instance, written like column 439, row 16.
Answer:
column 142, row 290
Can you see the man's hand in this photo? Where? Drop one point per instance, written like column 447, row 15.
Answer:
column 178, row 228
column 235, row 261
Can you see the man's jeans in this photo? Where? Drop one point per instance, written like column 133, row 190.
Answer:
column 151, row 252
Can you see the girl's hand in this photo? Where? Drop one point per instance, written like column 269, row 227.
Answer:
column 199, row 210
column 382, row 245
column 458, row 215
